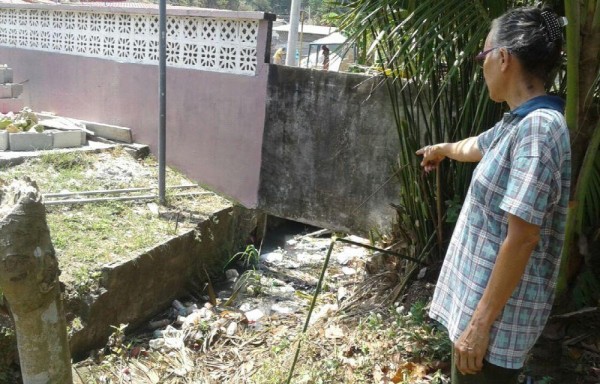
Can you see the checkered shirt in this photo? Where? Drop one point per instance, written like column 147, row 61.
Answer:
column 525, row 171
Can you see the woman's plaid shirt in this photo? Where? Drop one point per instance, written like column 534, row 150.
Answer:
column 525, row 171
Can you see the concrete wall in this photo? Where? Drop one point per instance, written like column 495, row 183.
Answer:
column 329, row 145
column 133, row 291
column 312, row 146
column 214, row 120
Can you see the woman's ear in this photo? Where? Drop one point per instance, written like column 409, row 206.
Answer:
column 505, row 58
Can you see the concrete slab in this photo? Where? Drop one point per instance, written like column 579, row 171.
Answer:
column 111, row 132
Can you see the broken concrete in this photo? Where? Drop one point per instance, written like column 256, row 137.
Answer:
column 106, row 131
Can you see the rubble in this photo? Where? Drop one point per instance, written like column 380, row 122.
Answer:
column 27, row 130
column 251, row 300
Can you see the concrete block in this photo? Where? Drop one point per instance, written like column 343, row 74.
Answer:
column 6, row 75
column 30, row 141
column 66, row 139
column 64, row 124
column 11, row 105
column 10, row 91
column 111, row 132
column 3, row 140
column 137, row 151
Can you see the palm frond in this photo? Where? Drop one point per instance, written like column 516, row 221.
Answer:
column 437, row 94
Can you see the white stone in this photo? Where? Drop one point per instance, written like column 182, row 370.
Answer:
column 232, row 328
column 153, row 207
column 156, row 344
column 342, row 293
column 282, row 289
column 325, row 311
column 231, row 274
column 348, row 271
column 254, row 315
column 349, row 253
column 192, row 320
column 281, row 309
column 272, row 257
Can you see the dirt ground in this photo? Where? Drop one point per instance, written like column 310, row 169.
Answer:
column 245, row 327
column 251, row 334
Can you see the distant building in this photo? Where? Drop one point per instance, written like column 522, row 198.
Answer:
column 308, row 32
column 340, row 56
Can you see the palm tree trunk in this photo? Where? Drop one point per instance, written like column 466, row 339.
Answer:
column 583, row 51
column 29, row 281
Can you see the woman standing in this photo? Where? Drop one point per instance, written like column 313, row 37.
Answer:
column 496, row 287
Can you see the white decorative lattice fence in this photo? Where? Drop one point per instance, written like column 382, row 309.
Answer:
column 212, row 44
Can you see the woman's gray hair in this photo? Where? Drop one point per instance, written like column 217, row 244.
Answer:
column 530, row 34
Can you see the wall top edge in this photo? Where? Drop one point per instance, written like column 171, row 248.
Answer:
column 131, row 8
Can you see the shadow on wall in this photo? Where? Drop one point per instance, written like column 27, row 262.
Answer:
column 329, row 147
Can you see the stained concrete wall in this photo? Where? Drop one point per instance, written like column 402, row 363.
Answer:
column 214, row 120
column 329, row 147
column 312, row 146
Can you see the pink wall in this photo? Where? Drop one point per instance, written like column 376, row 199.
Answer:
column 215, row 121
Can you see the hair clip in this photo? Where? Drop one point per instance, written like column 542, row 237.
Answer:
column 562, row 21
column 553, row 25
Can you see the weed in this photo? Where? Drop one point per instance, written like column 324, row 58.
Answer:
column 418, row 312
column 116, row 341
column 74, row 326
column 426, row 341
column 374, row 321
column 66, row 160
column 282, row 346
column 7, row 354
column 248, row 258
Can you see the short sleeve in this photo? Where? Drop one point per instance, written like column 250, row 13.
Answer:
column 531, row 186
column 529, row 190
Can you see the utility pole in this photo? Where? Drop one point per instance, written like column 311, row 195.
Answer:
column 302, row 14
column 162, row 95
column 290, row 57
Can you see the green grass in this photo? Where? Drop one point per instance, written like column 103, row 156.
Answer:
column 87, row 236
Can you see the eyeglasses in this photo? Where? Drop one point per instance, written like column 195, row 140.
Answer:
column 481, row 55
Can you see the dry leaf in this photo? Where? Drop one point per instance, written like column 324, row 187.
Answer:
column 410, row 371
column 334, row 332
